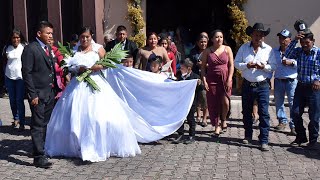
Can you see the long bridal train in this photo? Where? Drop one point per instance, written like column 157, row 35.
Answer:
column 133, row 106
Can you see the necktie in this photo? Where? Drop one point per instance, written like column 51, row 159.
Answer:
column 47, row 50
column 48, row 54
column 122, row 45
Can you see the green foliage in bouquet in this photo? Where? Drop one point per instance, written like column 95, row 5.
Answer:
column 66, row 52
column 109, row 60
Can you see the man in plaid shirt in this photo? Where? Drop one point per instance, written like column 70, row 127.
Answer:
column 308, row 88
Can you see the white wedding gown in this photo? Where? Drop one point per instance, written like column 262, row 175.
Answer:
column 137, row 107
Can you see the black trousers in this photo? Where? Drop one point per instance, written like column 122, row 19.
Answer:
column 191, row 121
column 40, row 116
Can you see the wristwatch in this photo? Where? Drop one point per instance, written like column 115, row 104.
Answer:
column 293, row 63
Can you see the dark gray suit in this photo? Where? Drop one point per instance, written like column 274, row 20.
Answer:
column 130, row 46
column 39, row 77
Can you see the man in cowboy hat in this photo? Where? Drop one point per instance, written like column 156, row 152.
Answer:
column 308, row 89
column 256, row 61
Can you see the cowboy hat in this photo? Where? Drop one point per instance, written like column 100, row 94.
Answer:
column 257, row 27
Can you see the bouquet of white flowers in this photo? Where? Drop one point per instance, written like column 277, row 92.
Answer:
column 109, row 60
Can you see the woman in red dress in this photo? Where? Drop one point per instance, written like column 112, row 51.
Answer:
column 61, row 79
column 164, row 42
column 217, row 79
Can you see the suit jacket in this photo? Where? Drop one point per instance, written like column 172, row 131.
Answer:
column 190, row 77
column 38, row 71
column 130, row 46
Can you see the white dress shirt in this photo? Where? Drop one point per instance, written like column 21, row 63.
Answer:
column 264, row 55
column 42, row 44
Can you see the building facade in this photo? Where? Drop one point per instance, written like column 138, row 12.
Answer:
column 67, row 17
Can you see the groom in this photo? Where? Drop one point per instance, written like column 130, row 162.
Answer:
column 39, row 76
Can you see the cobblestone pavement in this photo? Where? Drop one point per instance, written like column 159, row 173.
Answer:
column 208, row 158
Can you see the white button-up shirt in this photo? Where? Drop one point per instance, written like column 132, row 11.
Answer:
column 264, row 55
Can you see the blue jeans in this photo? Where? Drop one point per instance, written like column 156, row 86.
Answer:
column 305, row 95
column 282, row 87
column 261, row 94
column 16, row 96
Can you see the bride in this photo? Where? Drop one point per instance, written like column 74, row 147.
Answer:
column 131, row 106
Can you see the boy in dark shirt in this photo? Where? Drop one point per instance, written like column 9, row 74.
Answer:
column 187, row 74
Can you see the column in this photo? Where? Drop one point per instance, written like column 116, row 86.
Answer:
column 20, row 16
column 55, row 17
column 93, row 13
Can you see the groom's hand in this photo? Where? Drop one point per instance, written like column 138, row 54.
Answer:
column 81, row 69
column 35, row 101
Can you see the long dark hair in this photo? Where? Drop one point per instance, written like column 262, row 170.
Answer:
column 199, row 37
column 216, row 31
column 19, row 33
column 148, row 36
column 9, row 40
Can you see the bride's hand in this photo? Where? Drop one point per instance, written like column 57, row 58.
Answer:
column 96, row 67
column 81, row 69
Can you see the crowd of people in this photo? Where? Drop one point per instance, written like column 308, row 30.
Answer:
column 204, row 77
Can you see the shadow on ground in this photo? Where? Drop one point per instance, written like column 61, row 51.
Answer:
column 10, row 149
column 15, row 132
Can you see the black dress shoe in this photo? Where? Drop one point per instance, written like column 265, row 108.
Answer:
column 312, row 146
column 299, row 141
column 41, row 162
column 177, row 140
column 21, row 128
column 190, row 140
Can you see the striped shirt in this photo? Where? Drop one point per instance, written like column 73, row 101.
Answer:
column 308, row 65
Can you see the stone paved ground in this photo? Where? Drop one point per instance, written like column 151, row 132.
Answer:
column 209, row 158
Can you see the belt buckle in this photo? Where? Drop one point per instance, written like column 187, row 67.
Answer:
column 253, row 84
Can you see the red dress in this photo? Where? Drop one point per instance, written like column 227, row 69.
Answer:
column 217, row 75
column 174, row 62
column 59, row 72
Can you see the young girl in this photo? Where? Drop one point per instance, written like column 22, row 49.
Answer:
column 156, row 65
column 128, row 62
column 165, row 43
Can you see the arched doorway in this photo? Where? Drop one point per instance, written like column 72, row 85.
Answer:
column 194, row 16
